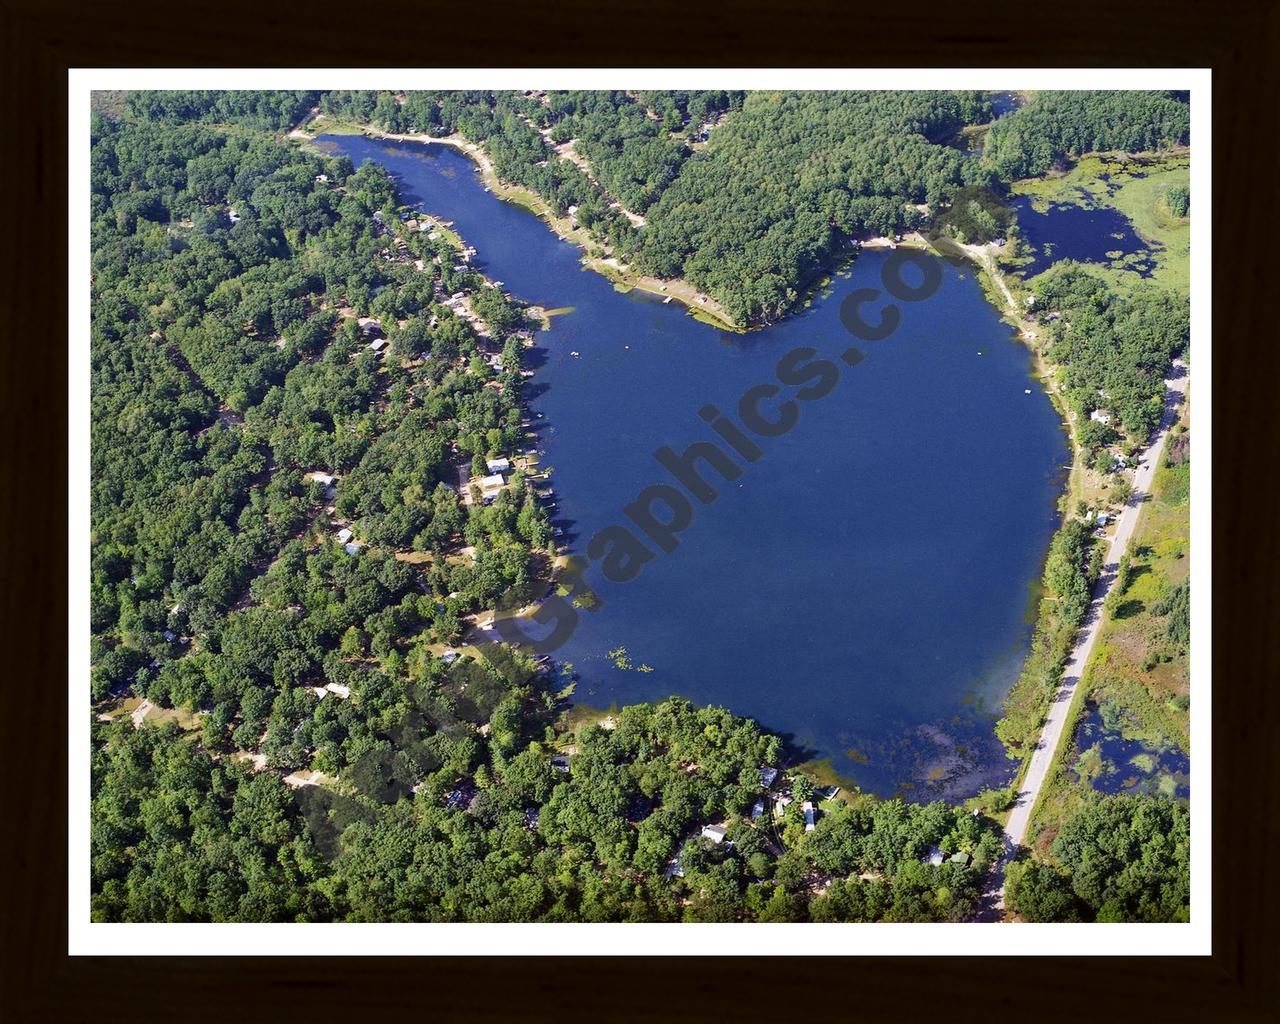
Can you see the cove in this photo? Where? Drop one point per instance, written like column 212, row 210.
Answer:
column 863, row 588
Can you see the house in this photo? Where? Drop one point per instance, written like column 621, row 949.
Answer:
column 378, row 345
column 324, row 479
column 715, row 833
column 233, row 216
column 490, row 486
column 810, row 815
column 498, row 465
column 757, row 810
column 368, row 326
column 934, row 857
column 780, row 806
column 322, row 179
column 344, row 535
column 351, row 548
column 449, row 657
column 961, row 858
column 1100, row 416
column 673, row 869
column 560, row 763
column 339, row 690
column 768, row 776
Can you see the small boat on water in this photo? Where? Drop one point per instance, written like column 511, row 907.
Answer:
column 666, row 300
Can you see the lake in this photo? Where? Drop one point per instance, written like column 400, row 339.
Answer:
column 865, row 587
column 1084, row 233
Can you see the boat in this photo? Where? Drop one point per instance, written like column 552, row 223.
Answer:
column 666, row 300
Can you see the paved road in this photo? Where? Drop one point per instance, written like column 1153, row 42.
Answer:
column 1015, row 830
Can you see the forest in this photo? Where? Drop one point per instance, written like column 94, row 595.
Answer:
column 229, row 366
column 1114, row 350
column 1055, row 126
column 774, row 196
column 242, row 419
column 752, row 207
column 1123, row 858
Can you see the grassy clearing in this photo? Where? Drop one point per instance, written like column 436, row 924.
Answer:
column 327, row 124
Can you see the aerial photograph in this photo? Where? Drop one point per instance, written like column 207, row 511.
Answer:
column 662, row 506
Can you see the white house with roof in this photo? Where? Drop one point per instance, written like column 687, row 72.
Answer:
column 490, row 486
column 344, row 535
column 498, row 465
column 715, row 833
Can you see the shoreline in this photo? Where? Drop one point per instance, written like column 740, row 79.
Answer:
column 982, row 257
column 700, row 305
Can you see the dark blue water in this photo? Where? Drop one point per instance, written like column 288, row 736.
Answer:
column 1128, row 765
column 1003, row 103
column 863, row 587
column 1086, row 235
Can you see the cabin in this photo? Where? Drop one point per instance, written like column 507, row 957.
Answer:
column 810, row 815
column 1100, row 416
column 344, row 535
column 233, row 216
column 351, row 548
column 378, row 345
column 560, row 763
column 449, row 657
column 961, row 858
column 757, row 810
column 338, row 690
column 498, row 465
column 780, row 806
column 322, row 179
column 715, row 833
column 768, row 776
column 490, row 486
column 934, row 857
column 368, row 326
